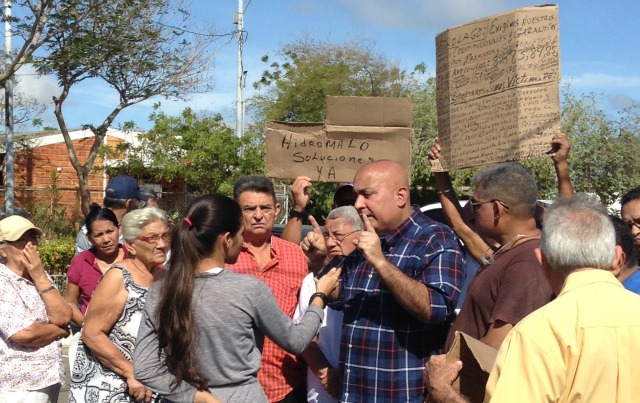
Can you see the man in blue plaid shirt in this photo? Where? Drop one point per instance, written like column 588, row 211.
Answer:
column 398, row 291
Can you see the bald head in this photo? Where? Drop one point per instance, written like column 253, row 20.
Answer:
column 382, row 189
column 385, row 170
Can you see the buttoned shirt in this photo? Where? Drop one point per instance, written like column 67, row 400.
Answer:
column 24, row 368
column 384, row 348
column 582, row 346
column 280, row 372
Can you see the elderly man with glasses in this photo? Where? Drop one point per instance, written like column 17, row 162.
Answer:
column 335, row 242
column 510, row 283
column 33, row 316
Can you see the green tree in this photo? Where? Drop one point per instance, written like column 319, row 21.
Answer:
column 303, row 73
column 137, row 47
column 604, row 156
column 202, row 150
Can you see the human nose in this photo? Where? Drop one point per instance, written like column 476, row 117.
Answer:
column 359, row 204
column 258, row 214
column 331, row 241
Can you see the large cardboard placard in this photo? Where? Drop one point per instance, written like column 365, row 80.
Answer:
column 477, row 361
column 497, row 88
column 362, row 130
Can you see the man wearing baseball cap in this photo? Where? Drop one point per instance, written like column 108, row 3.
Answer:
column 121, row 196
column 33, row 316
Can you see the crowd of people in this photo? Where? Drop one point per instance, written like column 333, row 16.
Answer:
column 215, row 308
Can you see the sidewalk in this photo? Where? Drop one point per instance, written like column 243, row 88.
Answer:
column 64, row 391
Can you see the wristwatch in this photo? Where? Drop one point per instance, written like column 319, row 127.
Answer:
column 297, row 214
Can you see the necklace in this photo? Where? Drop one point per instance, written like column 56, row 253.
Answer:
column 487, row 259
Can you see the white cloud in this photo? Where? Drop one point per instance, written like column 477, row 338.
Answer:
column 37, row 87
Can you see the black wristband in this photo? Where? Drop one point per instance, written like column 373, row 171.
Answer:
column 297, row 214
column 320, row 295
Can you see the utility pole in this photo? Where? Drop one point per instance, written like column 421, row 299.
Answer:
column 8, row 113
column 239, row 20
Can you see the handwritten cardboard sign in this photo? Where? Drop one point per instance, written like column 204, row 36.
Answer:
column 497, row 88
column 358, row 134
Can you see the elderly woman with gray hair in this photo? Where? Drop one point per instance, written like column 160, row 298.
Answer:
column 103, row 370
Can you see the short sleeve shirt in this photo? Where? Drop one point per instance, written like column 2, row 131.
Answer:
column 507, row 290
column 85, row 273
column 24, row 368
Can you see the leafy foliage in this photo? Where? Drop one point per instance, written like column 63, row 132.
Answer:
column 202, row 150
column 604, row 157
column 295, row 86
column 56, row 254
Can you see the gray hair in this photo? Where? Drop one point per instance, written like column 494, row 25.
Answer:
column 350, row 214
column 510, row 183
column 577, row 233
column 134, row 221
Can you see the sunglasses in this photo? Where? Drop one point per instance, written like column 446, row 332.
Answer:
column 476, row 204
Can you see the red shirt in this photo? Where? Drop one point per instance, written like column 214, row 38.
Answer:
column 280, row 372
column 85, row 273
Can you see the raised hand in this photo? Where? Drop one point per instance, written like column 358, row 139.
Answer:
column 434, row 152
column 313, row 244
column 300, row 191
column 369, row 243
column 560, row 147
column 31, row 260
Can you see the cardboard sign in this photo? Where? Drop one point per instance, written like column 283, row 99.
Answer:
column 497, row 88
column 477, row 359
column 362, row 130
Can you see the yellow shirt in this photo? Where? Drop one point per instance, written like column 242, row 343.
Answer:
column 582, row 347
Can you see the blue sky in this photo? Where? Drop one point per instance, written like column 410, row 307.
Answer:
column 598, row 43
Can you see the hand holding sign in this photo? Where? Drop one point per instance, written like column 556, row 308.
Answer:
column 300, row 192
column 369, row 243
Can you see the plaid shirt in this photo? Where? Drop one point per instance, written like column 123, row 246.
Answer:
column 384, row 349
column 280, row 372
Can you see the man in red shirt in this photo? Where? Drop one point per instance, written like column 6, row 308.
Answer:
column 282, row 266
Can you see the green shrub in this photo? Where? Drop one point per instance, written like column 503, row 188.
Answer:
column 56, row 254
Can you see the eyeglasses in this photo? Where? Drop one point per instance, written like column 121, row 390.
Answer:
column 476, row 204
column 339, row 238
column 634, row 223
column 155, row 238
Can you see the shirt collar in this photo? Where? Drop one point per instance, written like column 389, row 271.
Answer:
column 586, row 277
column 395, row 236
column 10, row 274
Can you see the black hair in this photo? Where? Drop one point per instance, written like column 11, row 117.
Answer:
column 98, row 213
column 344, row 196
column 624, row 239
column 633, row 194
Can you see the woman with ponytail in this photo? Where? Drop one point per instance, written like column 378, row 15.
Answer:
column 203, row 326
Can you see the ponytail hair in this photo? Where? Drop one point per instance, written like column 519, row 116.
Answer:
column 194, row 238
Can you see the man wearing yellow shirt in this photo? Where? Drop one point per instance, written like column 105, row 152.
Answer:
column 584, row 345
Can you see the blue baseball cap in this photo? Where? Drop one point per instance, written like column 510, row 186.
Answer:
column 124, row 187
